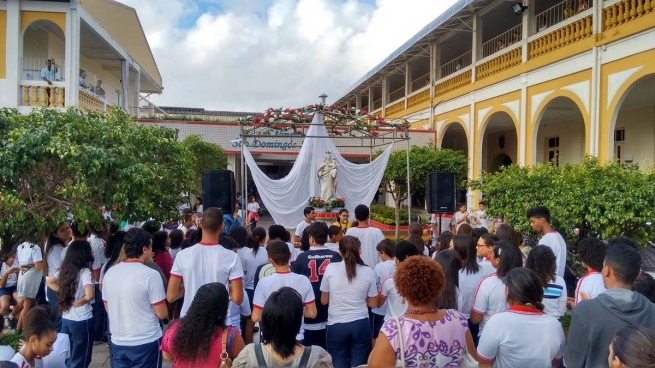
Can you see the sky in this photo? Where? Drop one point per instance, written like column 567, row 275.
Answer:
column 249, row 55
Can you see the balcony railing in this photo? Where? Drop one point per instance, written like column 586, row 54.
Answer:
column 418, row 98
column 576, row 30
column 500, row 63
column 34, row 69
column 421, row 82
column 502, row 41
column 457, row 64
column 451, row 84
column 42, row 94
column 559, row 13
column 96, row 86
column 625, row 11
column 377, row 104
column 397, row 94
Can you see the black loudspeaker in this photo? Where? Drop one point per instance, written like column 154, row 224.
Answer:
column 219, row 190
column 441, row 193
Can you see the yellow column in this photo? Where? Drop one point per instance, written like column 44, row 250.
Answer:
column 26, row 95
column 60, row 99
column 35, row 95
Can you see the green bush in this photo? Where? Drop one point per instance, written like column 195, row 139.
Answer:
column 11, row 339
column 386, row 215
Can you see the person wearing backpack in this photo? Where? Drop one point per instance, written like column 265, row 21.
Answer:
column 279, row 347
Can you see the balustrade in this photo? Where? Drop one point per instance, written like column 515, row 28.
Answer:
column 626, row 11
column 567, row 35
column 40, row 94
column 453, row 83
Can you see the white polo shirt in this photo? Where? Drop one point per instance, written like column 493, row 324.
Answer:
column 54, row 259
column 12, row 280
column 369, row 237
column 204, row 263
column 301, row 227
column 348, row 299
column 554, row 241
column 592, row 284
column 84, row 312
column 28, row 254
column 382, row 271
column 489, row 298
column 270, row 284
column 522, row 337
column 487, row 267
column 249, row 263
column 468, row 284
column 131, row 290
column 396, row 304
column 235, row 311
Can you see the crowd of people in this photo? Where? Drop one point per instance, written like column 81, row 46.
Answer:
column 342, row 295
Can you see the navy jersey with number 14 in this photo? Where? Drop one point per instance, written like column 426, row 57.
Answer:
column 312, row 264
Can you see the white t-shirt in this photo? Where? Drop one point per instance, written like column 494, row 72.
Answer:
column 555, row 296
column 249, row 263
column 301, row 227
column 294, row 253
column 130, row 305
column 253, row 206
column 95, row 265
column 487, row 267
column 54, row 259
column 84, row 312
column 370, row 237
column 554, row 241
column 489, row 298
column 28, row 254
column 522, row 337
column 185, row 229
column 12, row 279
column 7, row 352
column 61, row 351
column 348, row 299
column 382, row 271
column 332, row 246
column 22, row 363
column 235, row 311
column 174, row 252
column 481, row 217
column 270, row 284
column 396, row 304
column 98, row 248
column 457, row 217
column 204, row 263
column 592, row 284
column 468, row 284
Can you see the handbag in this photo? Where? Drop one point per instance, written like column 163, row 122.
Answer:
column 226, row 361
column 400, row 363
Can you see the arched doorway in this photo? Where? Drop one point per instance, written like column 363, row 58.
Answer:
column 560, row 133
column 633, row 128
column 499, row 142
column 42, row 40
column 454, row 138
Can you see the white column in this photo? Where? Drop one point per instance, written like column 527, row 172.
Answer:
column 14, row 53
column 370, row 98
column 408, row 80
column 385, row 94
column 470, row 195
column 358, row 101
column 595, row 86
column 135, row 99
column 477, row 43
column 523, row 117
column 125, row 84
column 72, row 52
column 528, row 18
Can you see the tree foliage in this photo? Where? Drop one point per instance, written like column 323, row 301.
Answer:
column 607, row 200
column 422, row 161
column 53, row 163
column 206, row 156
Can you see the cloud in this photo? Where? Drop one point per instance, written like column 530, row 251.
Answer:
column 247, row 55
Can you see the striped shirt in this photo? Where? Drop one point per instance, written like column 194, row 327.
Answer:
column 555, row 296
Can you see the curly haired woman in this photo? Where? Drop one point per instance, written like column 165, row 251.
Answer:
column 201, row 338
column 429, row 336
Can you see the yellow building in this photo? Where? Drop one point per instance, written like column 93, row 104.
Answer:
column 99, row 55
column 526, row 82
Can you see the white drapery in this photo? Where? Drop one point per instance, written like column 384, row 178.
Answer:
column 285, row 198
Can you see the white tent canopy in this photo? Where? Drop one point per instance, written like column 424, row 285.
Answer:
column 285, row 198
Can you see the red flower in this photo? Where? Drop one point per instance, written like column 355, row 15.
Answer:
column 363, row 112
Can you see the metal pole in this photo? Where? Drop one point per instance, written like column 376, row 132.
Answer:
column 409, row 189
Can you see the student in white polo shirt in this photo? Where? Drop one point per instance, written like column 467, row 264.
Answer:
column 205, row 262
column 541, row 260
column 490, row 295
column 279, row 255
column 522, row 336
column 309, row 214
column 396, row 304
column 135, row 301
column 368, row 236
column 592, row 255
column 348, row 288
column 540, row 222
column 76, row 293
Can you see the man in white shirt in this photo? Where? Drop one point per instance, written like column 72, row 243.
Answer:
column 310, row 214
column 367, row 235
column 540, row 222
column 205, row 262
column 396, row 304
column 135, row 300
column 189, row 221
column 480, row 219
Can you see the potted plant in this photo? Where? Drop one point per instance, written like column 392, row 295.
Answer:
column 317, row 203
column 337, row 204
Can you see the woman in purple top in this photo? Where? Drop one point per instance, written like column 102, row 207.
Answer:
column 431, row 337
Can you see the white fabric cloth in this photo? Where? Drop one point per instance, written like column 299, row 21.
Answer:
column 285, row 198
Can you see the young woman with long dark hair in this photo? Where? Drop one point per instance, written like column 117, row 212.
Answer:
column 75, row 292
column 522, row 336
column 161, row 256
column 450, row 262
column 252, row 256
column 348, row 288
column 57, row 241
column 541, row 260
column 490, row 295
column 8, row 289
column 201, row 338
column 253, row 212
column 632, row 347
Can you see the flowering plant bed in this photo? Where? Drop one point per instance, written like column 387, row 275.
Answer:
column 338, row 203
column 316, row 202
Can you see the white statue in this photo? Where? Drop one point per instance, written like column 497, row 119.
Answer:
column 327, row 177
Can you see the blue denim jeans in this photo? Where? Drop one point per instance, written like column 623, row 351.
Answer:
column 349, row 343
column 81, row 334
column 140, row 356
column 53, row 302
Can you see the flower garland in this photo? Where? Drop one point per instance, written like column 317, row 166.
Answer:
column 339, row 120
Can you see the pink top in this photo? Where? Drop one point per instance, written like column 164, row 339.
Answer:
column 213, row 359
column 164, row 260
